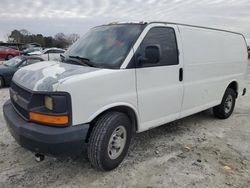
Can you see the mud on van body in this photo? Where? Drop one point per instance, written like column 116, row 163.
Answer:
column 119, row 79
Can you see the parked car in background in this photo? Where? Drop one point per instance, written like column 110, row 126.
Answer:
column 35, row 52
column 13, row 45
column 49, row 54
column 8, row 68
column 33, row 45
column 8, row 53
column 30, row 50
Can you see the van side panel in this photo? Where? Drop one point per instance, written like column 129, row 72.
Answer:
column 212, row 59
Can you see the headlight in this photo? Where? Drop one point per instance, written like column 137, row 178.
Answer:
column 56, row 103
column 48, row 102
column 52, row 108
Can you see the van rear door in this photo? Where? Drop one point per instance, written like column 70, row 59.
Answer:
column 160, row 85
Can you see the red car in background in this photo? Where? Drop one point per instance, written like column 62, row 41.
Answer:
column 8, row 53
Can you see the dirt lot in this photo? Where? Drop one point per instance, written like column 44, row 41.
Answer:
column 191, row 152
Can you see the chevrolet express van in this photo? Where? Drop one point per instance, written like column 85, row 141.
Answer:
column 119, row 79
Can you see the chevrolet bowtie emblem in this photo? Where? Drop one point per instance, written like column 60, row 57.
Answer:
column 14, row 96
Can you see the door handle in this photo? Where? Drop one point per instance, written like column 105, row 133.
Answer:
column 181, row 74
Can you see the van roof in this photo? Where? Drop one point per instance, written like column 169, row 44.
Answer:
column 147, row 23
column 203, row 27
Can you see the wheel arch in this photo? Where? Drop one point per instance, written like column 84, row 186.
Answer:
column 234, row 86
column 6, row 57
column 126, row 108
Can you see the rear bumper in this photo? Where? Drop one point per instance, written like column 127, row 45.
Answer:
column 44, row 139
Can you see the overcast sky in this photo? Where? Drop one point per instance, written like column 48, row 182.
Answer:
column 49, row 17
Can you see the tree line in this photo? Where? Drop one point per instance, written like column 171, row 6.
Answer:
column 60, row 40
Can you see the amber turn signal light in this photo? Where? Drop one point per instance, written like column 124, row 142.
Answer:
column 49, row 119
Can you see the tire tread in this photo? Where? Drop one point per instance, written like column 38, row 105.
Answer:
column 219, row 110
column 97, row 136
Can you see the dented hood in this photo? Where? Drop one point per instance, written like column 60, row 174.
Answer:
column 45, row 76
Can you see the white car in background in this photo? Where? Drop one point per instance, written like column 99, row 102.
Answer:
column 49, row 54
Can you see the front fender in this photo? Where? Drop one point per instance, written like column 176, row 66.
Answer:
column 113, row 105
column 93, row 93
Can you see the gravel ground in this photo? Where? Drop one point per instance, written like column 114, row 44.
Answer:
column 197, row 151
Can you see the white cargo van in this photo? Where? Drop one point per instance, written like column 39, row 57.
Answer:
column 119, row 79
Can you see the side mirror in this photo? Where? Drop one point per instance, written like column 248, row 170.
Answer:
column 151, row 55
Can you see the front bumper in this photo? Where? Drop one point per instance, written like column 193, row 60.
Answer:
column 45, row 139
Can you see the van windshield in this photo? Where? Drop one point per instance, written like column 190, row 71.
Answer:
column 104, row 46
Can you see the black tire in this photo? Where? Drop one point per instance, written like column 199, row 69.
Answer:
column 102, row 133
column 1, row 82
column 8, row 57
column 223, row 111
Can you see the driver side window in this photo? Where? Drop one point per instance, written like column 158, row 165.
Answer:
column 48, row 52
column 164, row 37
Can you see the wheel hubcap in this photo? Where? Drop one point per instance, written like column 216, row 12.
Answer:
column 117, row 142
column 228, row 103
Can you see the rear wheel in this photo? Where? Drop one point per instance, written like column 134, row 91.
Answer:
column 1, row 82
column 109, row 140
column 9, row 57
column 226, row 108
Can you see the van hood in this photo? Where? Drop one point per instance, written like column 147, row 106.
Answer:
column 45, row 76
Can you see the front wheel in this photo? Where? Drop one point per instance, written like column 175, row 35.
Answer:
column 226, row 108
column 109, row 140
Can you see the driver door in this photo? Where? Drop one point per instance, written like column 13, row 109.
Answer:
column 159, row 85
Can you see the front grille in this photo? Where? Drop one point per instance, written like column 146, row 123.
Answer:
column 20, row 99
column 21, row 92
column 21, row 111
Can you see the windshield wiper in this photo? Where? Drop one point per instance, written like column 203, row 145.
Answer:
column 84, row 61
